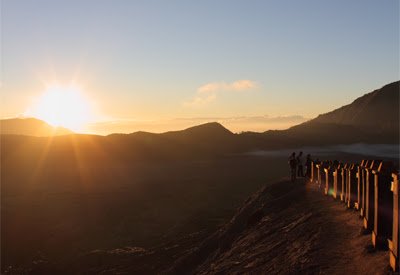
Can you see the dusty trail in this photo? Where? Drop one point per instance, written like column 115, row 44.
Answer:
column 352, row 255
column 288, row 228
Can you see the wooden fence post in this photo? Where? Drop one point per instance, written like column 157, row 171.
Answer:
column 383, row 212
column 359, row 178
column 370, row 196
column 352, row 186
column 367, row 163
column 394, row 242
column 343, row 191
column 337, row 178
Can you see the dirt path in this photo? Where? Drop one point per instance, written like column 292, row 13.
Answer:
column 352, row 255
column 287, row 228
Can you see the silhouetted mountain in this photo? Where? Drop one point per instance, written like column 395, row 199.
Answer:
column 374, row 117
column 204, row 134
column 204, row 130
column 206, row 140
column 30, row 127
column 378, row 111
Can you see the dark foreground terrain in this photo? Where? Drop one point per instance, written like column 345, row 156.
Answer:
column 152, row 217
column 53, row 214
column 284, row 228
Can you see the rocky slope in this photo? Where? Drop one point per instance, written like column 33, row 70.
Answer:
column 378, row 110
column 286, row 228
column 373, row 117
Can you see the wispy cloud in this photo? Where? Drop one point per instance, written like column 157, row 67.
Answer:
column 239, row 85
column 208, row 93
column 200, row 100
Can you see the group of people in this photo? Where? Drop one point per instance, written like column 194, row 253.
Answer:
column 296, row 164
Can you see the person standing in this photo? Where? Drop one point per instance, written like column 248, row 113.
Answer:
column 292, row 164
column 300, row 172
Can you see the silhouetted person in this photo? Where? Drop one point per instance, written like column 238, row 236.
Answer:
column 308, row 166
column 292, row 164
column 300, row 172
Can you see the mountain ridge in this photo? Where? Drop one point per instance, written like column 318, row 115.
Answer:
column 370, row 110
column 30, row 127
column 371, row 118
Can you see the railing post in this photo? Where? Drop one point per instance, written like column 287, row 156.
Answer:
column 359, row 178
column 319, row 178
column 367, row 163
column 337, row 178
column 352, row 186
column 343, row 191
column 370, row 196
column 394, row 242
column 326, row 170
column 383, row 212
column 312, row 172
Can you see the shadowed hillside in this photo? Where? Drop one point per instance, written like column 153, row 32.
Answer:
column 377, row 111
column 30, row 127
column 373, row 118
column 69, row 195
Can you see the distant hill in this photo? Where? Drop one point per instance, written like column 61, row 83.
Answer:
column 372, row 118
column 204, row 131
column 377, row 111
column 205, row 134
column 210, row 139
column 30, row 127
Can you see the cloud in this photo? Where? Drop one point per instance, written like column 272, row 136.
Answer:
column 239, row 85
column 200, row 100
column 208, row 92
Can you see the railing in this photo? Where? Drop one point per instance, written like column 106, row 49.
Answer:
column 372, row 189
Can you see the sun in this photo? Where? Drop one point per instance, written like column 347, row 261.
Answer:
column 62, row 107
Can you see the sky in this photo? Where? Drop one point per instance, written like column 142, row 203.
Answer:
column 165, row 65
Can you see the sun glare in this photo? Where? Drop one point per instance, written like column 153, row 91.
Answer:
column 62, row 106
